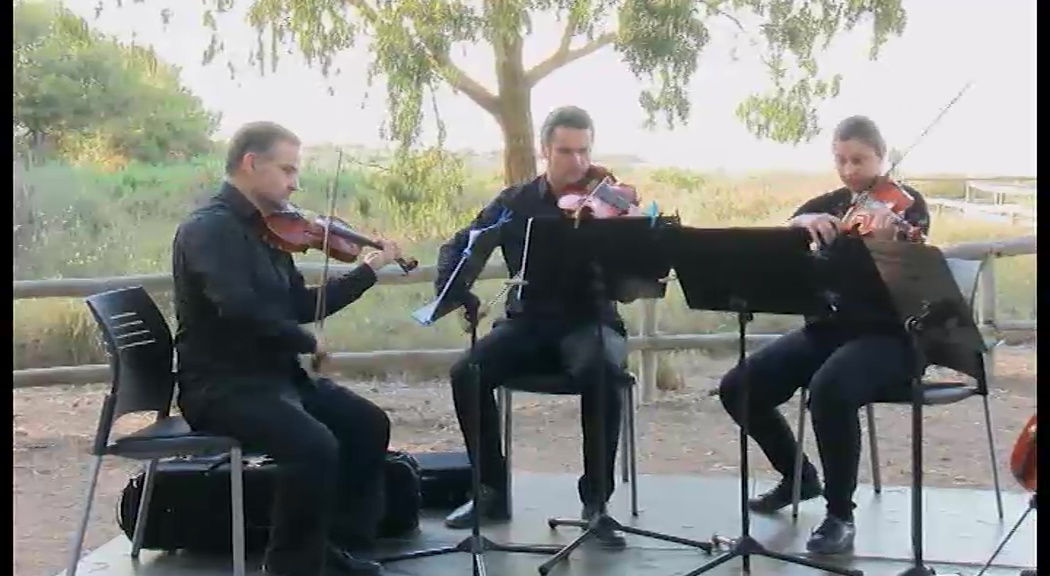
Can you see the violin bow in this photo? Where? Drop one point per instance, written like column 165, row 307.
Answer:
column 893, row 166
column 322, row 293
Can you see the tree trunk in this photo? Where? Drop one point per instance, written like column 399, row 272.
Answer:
column 515, row 112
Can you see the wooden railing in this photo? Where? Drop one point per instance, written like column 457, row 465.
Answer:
column 648, row 341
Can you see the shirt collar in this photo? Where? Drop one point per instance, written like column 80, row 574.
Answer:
column 238, row 202
column 543, row 186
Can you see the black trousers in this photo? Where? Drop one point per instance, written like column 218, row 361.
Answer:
column 844, row 372
column 330, row 445
column 520, row 347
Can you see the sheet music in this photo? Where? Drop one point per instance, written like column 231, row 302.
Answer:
column 429, row 313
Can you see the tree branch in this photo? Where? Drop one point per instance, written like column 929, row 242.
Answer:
column 453, row 74
column 366, row 11
column 459, row 80
column 563, row 56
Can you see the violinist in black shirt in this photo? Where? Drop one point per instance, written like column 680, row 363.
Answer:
column 540, row 336
column 845, row 367
column 239, row 304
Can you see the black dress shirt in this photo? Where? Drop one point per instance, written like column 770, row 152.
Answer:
column 239, row 302
column 516, row 205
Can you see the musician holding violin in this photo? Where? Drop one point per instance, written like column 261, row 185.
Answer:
column 239, row 302
column 553, row 335
column 844, row 366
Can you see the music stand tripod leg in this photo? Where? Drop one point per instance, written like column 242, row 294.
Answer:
column 745, row 546
column 602, row 520
column 476, row 544
column 1006, row 539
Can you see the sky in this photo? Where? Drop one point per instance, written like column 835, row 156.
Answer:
column 947, row 43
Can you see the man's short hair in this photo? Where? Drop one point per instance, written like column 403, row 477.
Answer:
column 565, row 117
column 256, row 138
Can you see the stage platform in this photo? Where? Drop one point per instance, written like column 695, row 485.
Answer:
column 961, row 532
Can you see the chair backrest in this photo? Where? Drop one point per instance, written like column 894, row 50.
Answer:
column 140, row 349
column 966, row 274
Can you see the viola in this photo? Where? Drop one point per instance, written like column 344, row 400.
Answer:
column 1022, row 458
column 600, row 195
column 884, row 195
column 294, row 230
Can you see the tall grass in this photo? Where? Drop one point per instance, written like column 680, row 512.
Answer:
column 79, row 222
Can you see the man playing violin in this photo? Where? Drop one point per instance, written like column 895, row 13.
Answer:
column 239, row 304
column 845, row 367
column 539, row 337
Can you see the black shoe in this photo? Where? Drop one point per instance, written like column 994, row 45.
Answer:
column 833, row 536
column 608, row 538
column 492, row 503
column 294, row 563
column 270, row 569
column 342, row 563
column 780, row 496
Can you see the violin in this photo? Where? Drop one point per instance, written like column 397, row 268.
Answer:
column 294, row 230
column 884, row 194
column 599, row 195
column 1022, row 458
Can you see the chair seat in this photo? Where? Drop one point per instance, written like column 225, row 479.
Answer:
column 167, row 437
column 939, row 393
column 558, row 384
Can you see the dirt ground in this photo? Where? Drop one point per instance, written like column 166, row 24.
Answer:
column 680, row 432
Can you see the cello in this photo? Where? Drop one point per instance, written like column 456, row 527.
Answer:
column 1023, row 456
column 1023, row 467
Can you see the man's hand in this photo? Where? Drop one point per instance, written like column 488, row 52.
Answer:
column 471, row 306
column 380, row 258
column 320, row 361
column 823, row 228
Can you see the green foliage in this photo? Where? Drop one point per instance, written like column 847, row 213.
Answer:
column 411, row 43
column 420, row 191
column 95, row 100
column 93, row 223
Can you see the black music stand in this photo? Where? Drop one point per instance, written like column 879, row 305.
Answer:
column 744, row 271
column 623, row 259
column 479, row 247
column 912, row 284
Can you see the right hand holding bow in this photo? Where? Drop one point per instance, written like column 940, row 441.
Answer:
column 471, row 308
column 321, row 360
column 823, row 228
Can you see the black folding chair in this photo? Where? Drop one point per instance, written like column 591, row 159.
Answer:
column 140, row 349
column 935, row 392
column 560, row 385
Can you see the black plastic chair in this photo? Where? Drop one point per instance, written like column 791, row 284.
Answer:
column 935, row 392
column 140, row 349
column 561, row 385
